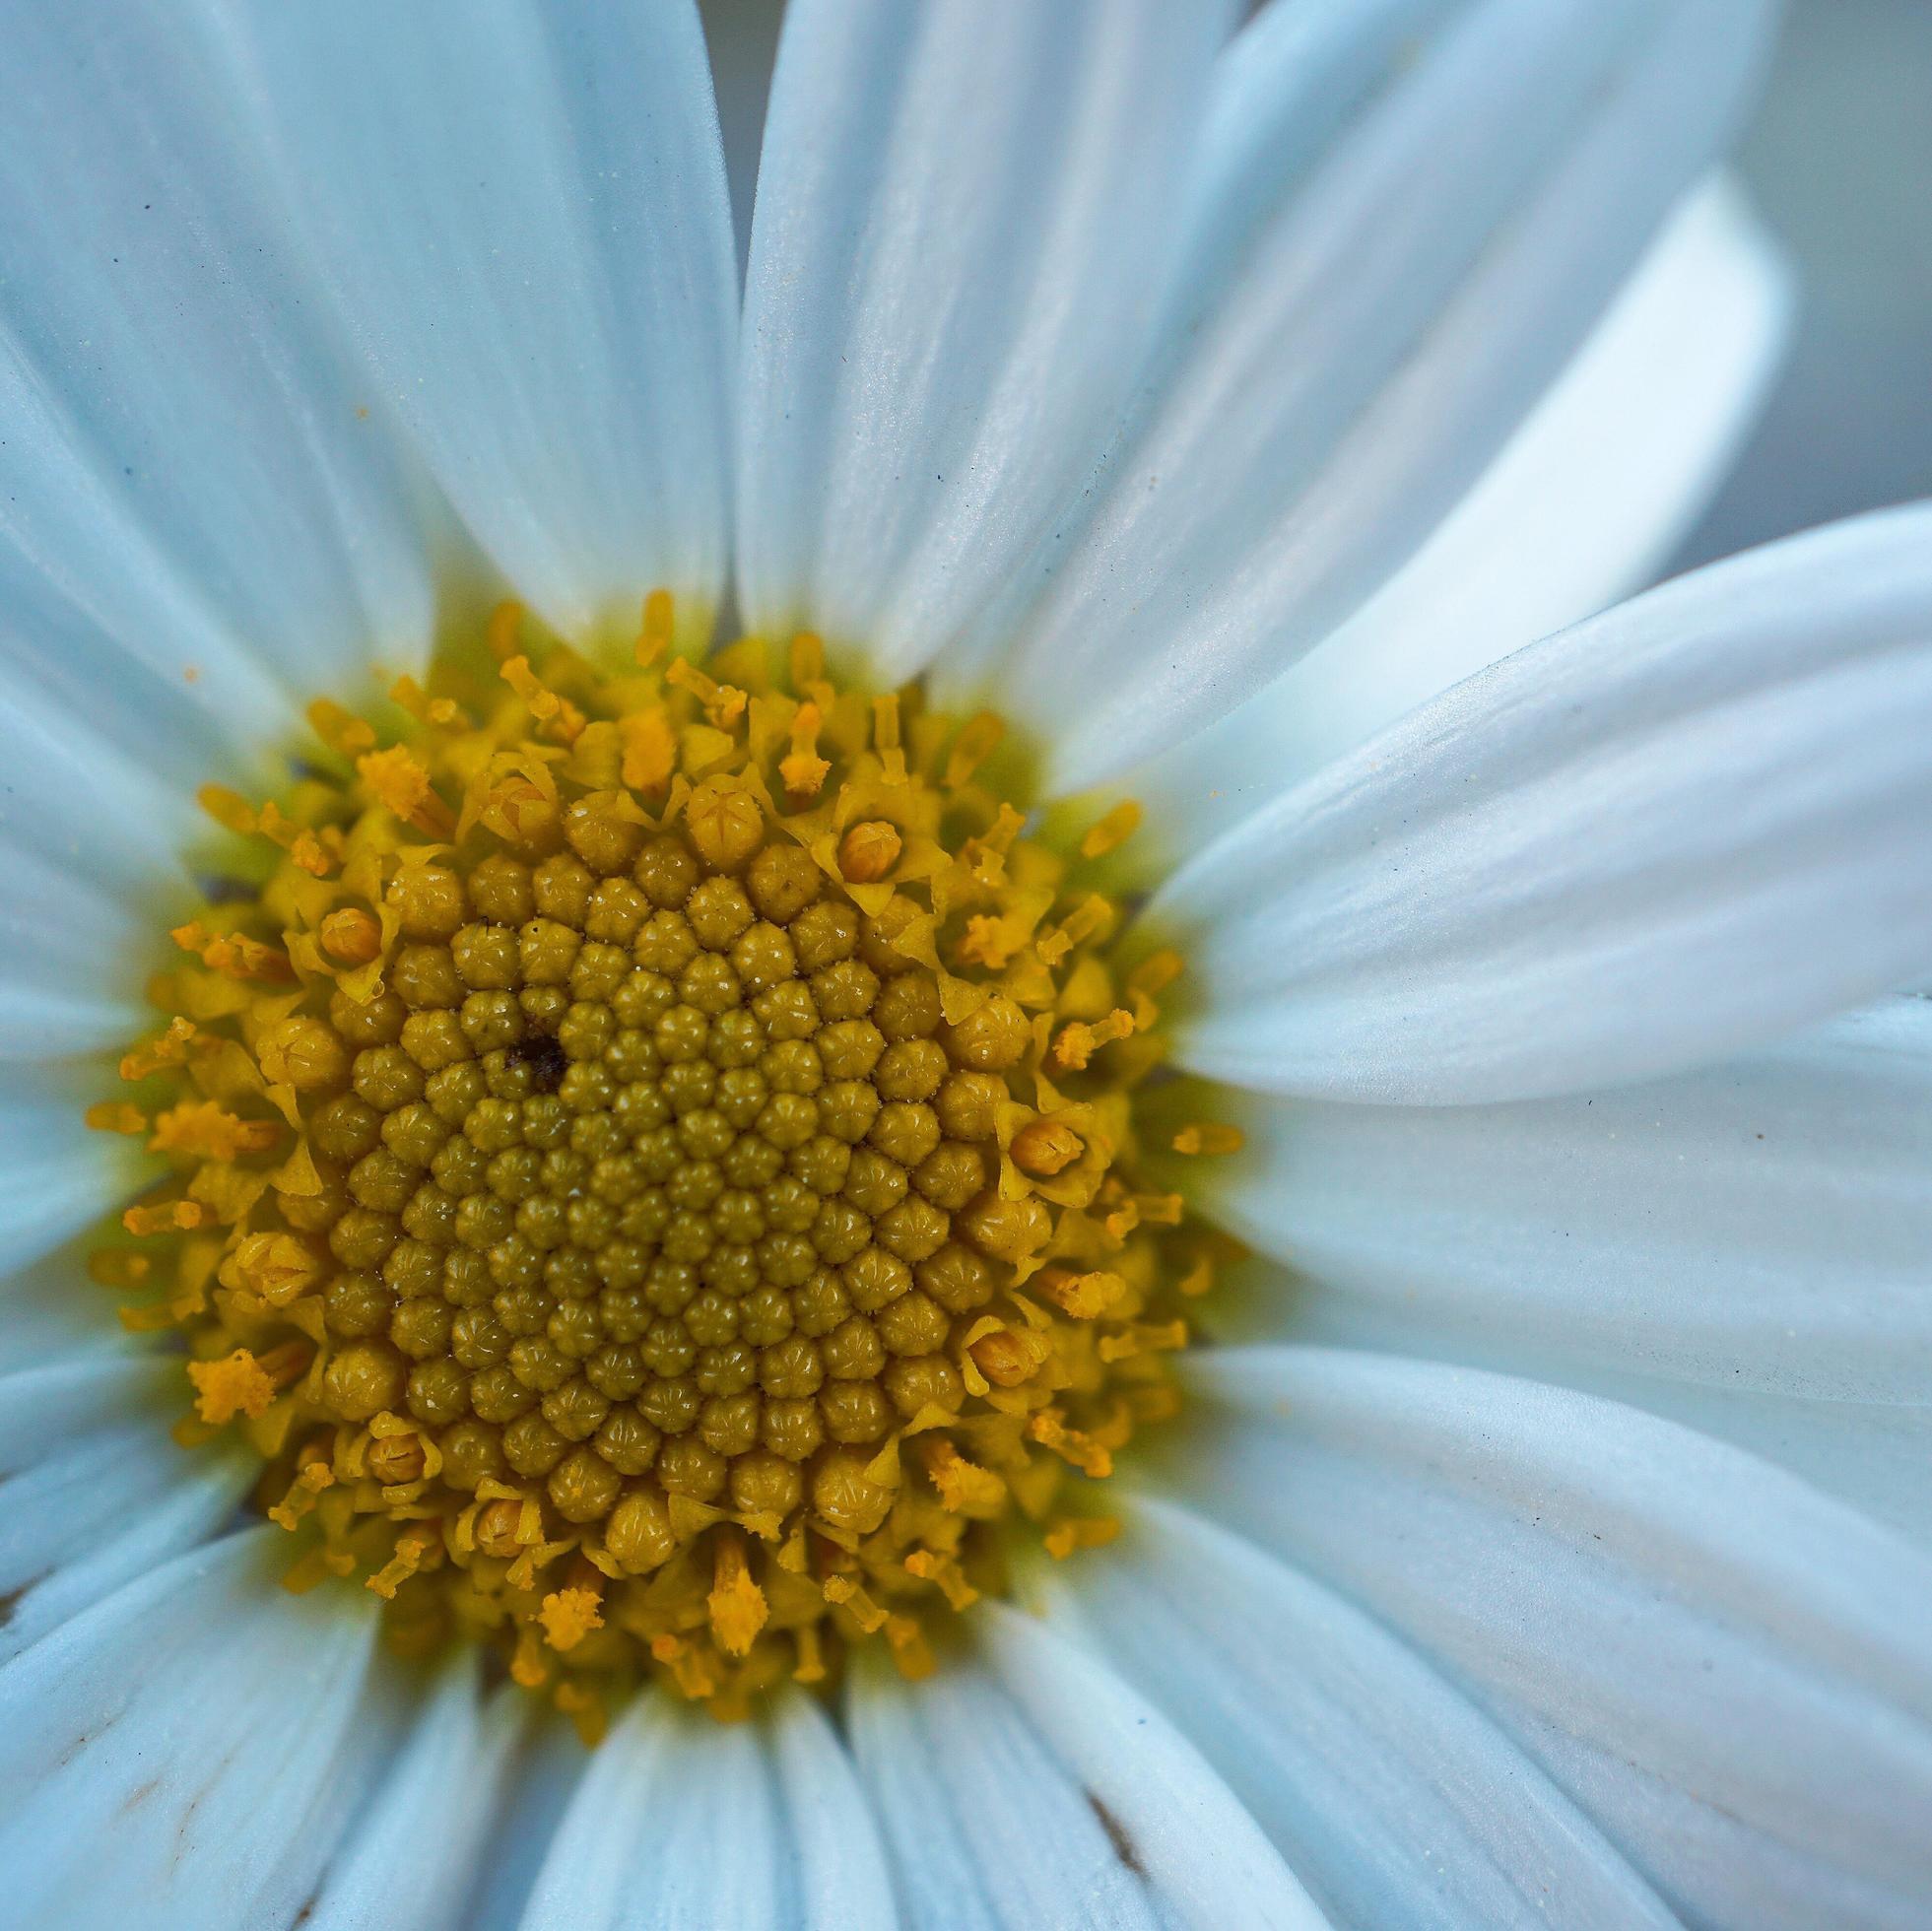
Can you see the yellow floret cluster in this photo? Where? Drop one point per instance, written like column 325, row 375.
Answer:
column 650, row 1167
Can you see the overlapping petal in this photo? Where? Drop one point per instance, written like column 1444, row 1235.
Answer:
column 967, row 215
column 140, row 1784
column 1410, row 216
column 1729, row 1672
column 1656, row 839
column 1582, row 505
column 1043, row 1790
column 1744, row 1247
column 183, row 467
column 683, row 1820
column 1390, row 1795
column 520, row 212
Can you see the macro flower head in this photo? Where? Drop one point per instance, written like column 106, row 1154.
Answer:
column 950, row 1094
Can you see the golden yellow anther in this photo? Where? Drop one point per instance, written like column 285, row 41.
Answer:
column 500, row 1527
column 645, row 1183
column 1084, row 1297
column 168, row 1216
column 238, row 1384
column 724, row 703
column 546, row 707
column 233, row 954
column 341, row 730
column 1209, row 1137
column 1006, row 1357
column 399, row 783
column 1076, row 1042
column 802, row 771
column 736, row 1605
column 568, row 1615
column 171, row 1049
column 228, row 808
column 869, row 851
column 963, row 1487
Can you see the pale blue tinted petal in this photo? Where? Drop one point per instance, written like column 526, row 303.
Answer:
column 1640, row 846
column 965, row 214
column 71, row 959
column 1748, row 1247
column 101, row 758
column 751, row 1825
column 1412, row 215
column 56, row 1175
column 83, row 1387
column 1730, row 1672
column 1390, row 1795
column 96, row 1494
column 985, row 1825
column 545, row 1779
column 1166, row 1810
column 183, row 461
column 1582, row 505
column 201, row 1496
column 840, row 1879
column 178, row 1756
column 409, row 1856
column 521, row 212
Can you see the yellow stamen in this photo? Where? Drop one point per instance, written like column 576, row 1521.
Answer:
column 646, row 1176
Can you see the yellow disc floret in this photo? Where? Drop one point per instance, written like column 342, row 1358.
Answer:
column 650, row 1168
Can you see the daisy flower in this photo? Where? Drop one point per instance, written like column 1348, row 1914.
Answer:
column 871, row 1108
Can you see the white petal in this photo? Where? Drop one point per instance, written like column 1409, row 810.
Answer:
column 200, row 1498
column 985, row 1827
column 1643, row 844
column 1584, row 503
column 86, row 1388
column 1762, row 1228
column 1362, row 322
column 183, row 460
column 750, row 1825
column 409, row 1857
column 522, row 214
column 997, row 1814
column 58, row 1510
column 546, row 1778
column 175, row 1756
column 56, row 1175
column 90, row 747
column 1392, row 1797
column 1166, row 1810
column 70, row 958
column 1731, row 1673
column 965, row 217
column 841, row 1880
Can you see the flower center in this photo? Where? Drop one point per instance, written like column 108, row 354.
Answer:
column 651, row 1166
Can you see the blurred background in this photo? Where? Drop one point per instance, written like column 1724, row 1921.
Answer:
column 1840, row 158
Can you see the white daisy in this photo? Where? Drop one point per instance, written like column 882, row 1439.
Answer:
column 668, row 1175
